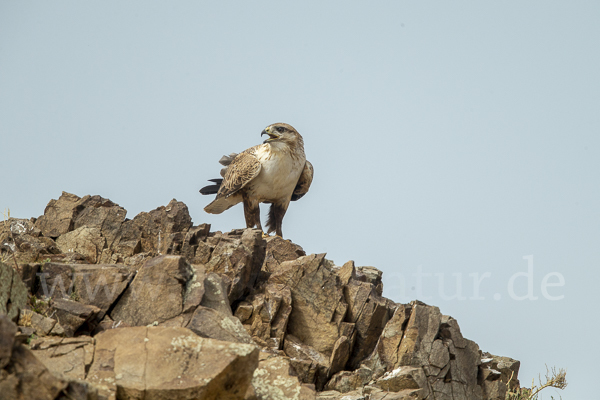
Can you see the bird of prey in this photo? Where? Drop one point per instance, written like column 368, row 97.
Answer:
column 274, row 172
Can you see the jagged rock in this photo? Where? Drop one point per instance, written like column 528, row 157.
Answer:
column 29, row 275
column 65, row 358
column 55, row 281
column 23, row 376
column 404, row 378
column 13, row 293
column 85, row 241
column 497, row 375
column 347, row 381
column 391, row 336
column 272, row 380
column 58, row 215
column 339, row 355
column 347, row 272
column 419, row 335
column 369, row 312
column 449, row 329
column 160, row 231
column 174, row 363
column 371, row 275
column 239, row 257
column 195, row 289
column 193, row 248
column 8, row 330
column 244, row 311
column 310, row 365
column 72, row 315
column 21, row 241
column 494, row 389
column 41, row 325
column 270, row 314
column 102, row 214
column 215, row 294
column 99, row 285
column 279, row 250
column 318, row 301
column 162, row 277
column 210, row 323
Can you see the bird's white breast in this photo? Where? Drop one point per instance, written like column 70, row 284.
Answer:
column 280, row 171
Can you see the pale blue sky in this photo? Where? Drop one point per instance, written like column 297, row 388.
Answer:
column 450, row 138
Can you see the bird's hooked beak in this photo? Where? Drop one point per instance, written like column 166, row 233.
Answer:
column 273, row 135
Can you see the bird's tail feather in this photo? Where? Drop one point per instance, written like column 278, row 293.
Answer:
column 220, row 204
column 212, row 189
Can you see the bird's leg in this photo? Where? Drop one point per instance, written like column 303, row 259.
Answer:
column 275, row 221
column 257, row 216
column 251, row 213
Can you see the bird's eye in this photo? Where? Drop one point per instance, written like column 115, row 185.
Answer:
column 280, row 129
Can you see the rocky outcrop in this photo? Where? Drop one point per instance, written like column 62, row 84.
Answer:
column 154, row 307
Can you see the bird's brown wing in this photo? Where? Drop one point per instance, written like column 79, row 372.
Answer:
column 242, row 169
column 304, row 181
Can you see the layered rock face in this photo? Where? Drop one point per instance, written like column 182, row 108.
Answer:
column 97, row 306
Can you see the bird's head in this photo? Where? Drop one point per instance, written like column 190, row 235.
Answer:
column 282, row 133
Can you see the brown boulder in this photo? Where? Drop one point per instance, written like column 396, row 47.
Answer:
column 160, row 231
column 310, row 365
column 270, row 313
column 238, row 256
column 72, row 315
column 58, row 215
column 347, row 381
column 102, row 214
column 273, row 380
column 162, row 277
column 279, row 250
column 66, row 358
column 209, row 323
column 55, row 281
column 369, row 312
column 194, row 249
column 215, row 294
column 318, row 301
column 85, row 241
column 99, row 285
column 174, row 363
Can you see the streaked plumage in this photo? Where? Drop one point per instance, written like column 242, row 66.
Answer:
column 274, row 172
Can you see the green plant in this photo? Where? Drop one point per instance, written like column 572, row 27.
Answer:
column 554, row 378
column 30, row 338
column 38, row 305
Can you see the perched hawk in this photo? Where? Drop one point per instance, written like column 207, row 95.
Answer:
column 274, row 172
